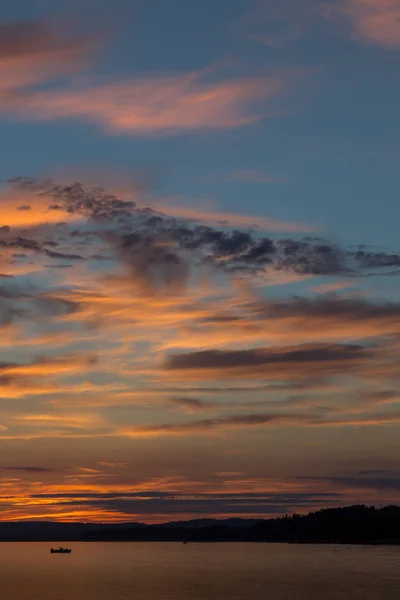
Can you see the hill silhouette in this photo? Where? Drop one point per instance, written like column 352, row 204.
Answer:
column 358, row 524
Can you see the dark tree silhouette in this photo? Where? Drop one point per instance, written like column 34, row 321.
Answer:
column 357, row 524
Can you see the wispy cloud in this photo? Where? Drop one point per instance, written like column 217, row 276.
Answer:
column 373, row 21
column 43, row 52
column 155, row 105
column 33, row 52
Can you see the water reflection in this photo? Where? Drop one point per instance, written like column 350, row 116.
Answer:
column 173, row 571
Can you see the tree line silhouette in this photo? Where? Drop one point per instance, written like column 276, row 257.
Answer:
column 358, row 524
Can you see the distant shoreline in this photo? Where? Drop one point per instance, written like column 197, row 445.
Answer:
column 99, row 541
column 349, row 525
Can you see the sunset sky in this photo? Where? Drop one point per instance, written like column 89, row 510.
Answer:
column 199, row 257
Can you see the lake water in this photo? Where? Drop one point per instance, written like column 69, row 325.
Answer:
column 172, row 571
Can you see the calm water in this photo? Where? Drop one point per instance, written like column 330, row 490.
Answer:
column 169, row 571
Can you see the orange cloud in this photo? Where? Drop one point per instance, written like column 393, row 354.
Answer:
column 40, row 493
column 24, row 211
column 155, row 105
column 65, row 420
column 56, row 424
column 242, row 323
column 49, row 366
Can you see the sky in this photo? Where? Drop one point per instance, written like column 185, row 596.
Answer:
column 199, row 258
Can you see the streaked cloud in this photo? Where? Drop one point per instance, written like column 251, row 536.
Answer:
column 280, row 363
column 159, row 506
column 260, row 421
column 299, row 319
column 155, row 105
column 190, row 404
column 129, row 344
column 24, row 469
column 155, row 348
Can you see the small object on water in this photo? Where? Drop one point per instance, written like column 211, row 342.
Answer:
column 60, row 550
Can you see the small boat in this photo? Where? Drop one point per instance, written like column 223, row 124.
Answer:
column 60, row 550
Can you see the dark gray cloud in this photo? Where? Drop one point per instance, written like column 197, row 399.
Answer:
column 148, row 240
column 26, row 302
column 294, row 357
column 228, row 389
column 340, row 309
column 38, row 247
column 368, row 472
column 376, row 260
column 22, row 243
column 371, row 483
column 198, row 495
column 219, row 422
column 191, row 404
column 92, row 202
column 316, row 418
column 153, row 261
column 63, row 255
column 26, row 469
column 175, row 503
